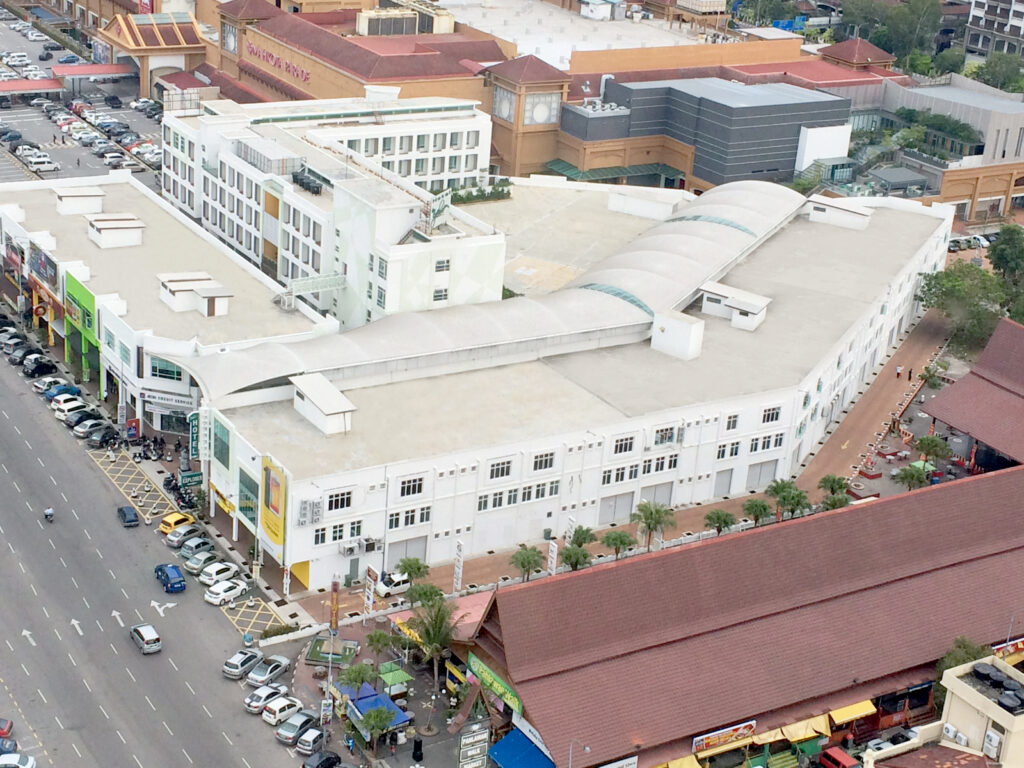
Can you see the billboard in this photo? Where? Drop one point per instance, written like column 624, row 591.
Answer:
column 273, row 501
column 44, row 268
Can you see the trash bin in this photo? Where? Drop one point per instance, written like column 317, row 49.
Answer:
column 417, row 749
column 547, row 534
column 348, row 580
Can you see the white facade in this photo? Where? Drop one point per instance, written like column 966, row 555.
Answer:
column 494, row 447
column 317, row 193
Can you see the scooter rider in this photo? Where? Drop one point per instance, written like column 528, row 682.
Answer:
column 48, row 514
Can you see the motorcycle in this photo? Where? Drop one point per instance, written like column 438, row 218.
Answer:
column 48, row 514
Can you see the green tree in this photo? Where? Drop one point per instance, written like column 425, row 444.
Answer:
column 932, row 447
column 1007, row 254
column 835, row 501
column 757, row 510
column 719, row 519
column 950, row 60
column 911, row 137
column 414, row 568
column 1000, row 70
column 379, row 642
column 832, row 484
column 969, row 296
column 575, row 557
column 963, row 651
column 527, row 560
column 652, row 517
column 617, row 541
column 377, row 721
column 931, row 375
column 912, row 25
column 793, row 501
column 912, row 477
column 778, row 490
column 357, row 674
column 435, row 623
column 919, row 62
column 423, row 594
column 581, row 536
column 863, row 16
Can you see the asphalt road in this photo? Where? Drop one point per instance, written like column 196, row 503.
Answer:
column 79, row 691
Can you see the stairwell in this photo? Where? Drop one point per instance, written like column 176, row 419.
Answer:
column 783, row 760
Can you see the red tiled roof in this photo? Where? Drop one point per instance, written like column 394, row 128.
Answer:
column 856, row 51
column 88, row 70
column 249, row 9
column 182, row 80
column 752, row 622
column 814, row 71
column 339, row 18
column 422, row 56
column 31, row 86
column 936, row 756
column 528, row 69
column 230, row 88
column 988, row 403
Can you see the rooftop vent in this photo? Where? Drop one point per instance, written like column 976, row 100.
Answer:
column 322, row 403
column 115, row 230
column 195, row 291
column 79, row 200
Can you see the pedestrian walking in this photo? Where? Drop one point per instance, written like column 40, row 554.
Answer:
column 910, row 374
column 62, row 139
column 78, row 162
column 899, row 371
column 55, row 138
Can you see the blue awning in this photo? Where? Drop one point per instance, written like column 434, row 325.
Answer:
column 45, row 15
column 517, row 751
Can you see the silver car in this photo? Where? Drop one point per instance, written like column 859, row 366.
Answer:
column 241, row 662
column 268, row 671
column 291, row 729
column 180, row 535
column 197, row 563
column 258, row 699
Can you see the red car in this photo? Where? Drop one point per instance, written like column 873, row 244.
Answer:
column 6, row 728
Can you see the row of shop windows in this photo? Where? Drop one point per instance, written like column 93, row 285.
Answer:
column 424, row 143
column 500, row 499
column 633, row 470
column 355, row 529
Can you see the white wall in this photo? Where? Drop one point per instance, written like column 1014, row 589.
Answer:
column 823, row 142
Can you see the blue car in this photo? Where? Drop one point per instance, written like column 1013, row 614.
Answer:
column 8, row 747
column 61, row 389
column 69, row 59
column 170, row 576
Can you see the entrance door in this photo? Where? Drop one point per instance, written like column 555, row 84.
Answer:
column 659, row 494
column 723, row 482
column 759, row 475
column 409, row 548
column 615, row 509
column 353, row 569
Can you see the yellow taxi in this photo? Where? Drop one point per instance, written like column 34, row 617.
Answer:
column 175, row 520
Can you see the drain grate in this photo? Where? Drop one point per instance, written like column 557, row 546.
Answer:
column 280, row 603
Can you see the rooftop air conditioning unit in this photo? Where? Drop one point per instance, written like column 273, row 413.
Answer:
column 949, row 731
column 961, row 739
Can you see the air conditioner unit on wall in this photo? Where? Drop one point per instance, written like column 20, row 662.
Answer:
column 961, row 739
column 347, row 549
column 949, row 731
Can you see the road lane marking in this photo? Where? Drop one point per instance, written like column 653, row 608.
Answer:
column 89, row 607
column 77, row 625
column 57, row 633
column 120, row 736
column 190, row 688
column 25, row 670
column 30, row 509
column 33, row 588
column 117, row 616
column 75, row 582
column 112, row 574
column 73, row 511
column 100, row 626
column 125, row 596
column 5, row 468
column 99, row 553
column 38, row 459
column 40, row 524
column 16, row 429
column 169, row 729
column 137, row 761
column 76, row 750
column 142, row 619
column 41, row 696
column 22, row 566
column 15, row 483
column 87, row 686
column 184, row 753
column 66, row 501
column 103, row 711
column 30, row 448
column 230, row 743
column 151, row 705
column 168, row 658
column 85, row 531
column 209, row 714
column 63, row 563
column 11, row 547
column 59, row 722
column 5, row 415
column 133, row 679
column 9, row 645
column 52, row 545
column 113, row 649
column 72, row 659
column 52, row 480
column 246, row 762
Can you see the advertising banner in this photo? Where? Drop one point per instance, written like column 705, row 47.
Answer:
column 457, row 576
column 132, row 429
column 193, row 435
column 13, row 254
column 724, row 736
column 273, row 501
column 489, row 680
column 371, row 584
column 44, row 269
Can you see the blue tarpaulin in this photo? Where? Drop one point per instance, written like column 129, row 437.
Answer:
column 517, row 751
column 380, row 701
column 45, row 15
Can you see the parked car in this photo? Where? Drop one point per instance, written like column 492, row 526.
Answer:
column 223, row 592
column 85, row 414
column 69, row 59
column 64, row 398
column 280, row 709
column 113, row 101
column 195, row 545
column 17, row 761
column 45, row 56
column 139, row 104
column 102, row 437
column 217, row 572
column 170, row 577
column 241, row 663
column 17, row 357
column 113, row 158
column 8, row 746
column 181, row 534
column 256, row 701
column 65, row 409
column 268, row 670
column 325, row 759
column 53, row 47
column 87, row 426
column 131, row 165
column 38, row 367
column 197, row 563
column 11, row 136
column 291, row 729
column 45, row 384
column 175, row 520
column 61, row 389
column 128, row 517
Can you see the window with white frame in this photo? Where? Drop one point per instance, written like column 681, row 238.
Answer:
column 542, row 461
column 411, row 487
column 768, row 415
column 394, row 520
column 623, row 445
column 501, row 469
column 339, row 500
column 319, row 536
column 732, row 421
column 664, row 435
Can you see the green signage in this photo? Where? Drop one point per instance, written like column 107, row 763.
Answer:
column 193, row 435
column 489, row 680
column 189, row 479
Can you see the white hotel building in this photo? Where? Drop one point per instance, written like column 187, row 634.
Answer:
column 705, row 360
column 342, row 200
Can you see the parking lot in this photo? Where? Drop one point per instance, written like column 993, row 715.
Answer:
column 37, row 128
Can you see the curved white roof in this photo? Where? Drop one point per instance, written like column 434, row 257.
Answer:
column 666, row 265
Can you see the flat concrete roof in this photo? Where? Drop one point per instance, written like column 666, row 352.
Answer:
column 736, row 94
column 555, row 234
column 820, row 279
column 169, row 245
column 552, row 33
column 317, row 108
column 971, row 98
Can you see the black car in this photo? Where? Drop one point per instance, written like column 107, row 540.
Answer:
column 17, row 357
column 112, row 101
column 76, row 418
column 127, row 138
column 45, row 56
column 128, row 516
column 152, row 109
column 102, row 437
column 325, row 759
column 115, row 131
column 23, row 143
column 11, row 135
column 53, row 47
column 52, row 107
column 39, row 367
column 6, row 322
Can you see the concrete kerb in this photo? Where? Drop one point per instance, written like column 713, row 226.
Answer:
column 298, row 634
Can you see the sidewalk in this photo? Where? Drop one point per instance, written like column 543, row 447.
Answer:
column 839, row 454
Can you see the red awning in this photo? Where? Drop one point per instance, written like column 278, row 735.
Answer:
column 31, row 86
column 91, row 70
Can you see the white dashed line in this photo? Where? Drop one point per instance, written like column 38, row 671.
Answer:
column 86, row 532
column 209, row 714
column 9, row 645
column 87, row 687
column 124, row 593
column 25, row 670
column 142, row 619
column 75, row 582
column 15, row 483
column 168, row 658
column 16, row 429
column 169, row 730
column 190, row 688
column 112, row 574
column 99, row 553
column 53, row 546
column 59, row 722
column 63, row 563
column 33, row 588
column 184, row 752
column 230, row 743
column 89, row 607
column 137, row 761
column 76, row 750
column 120, row 736
column 52, row 480
column 133, row 679
column 37, row 458
column 59, row 638
column 103, row 711
column 113, row 649
column 100, row 626
column 27, row 443
column 45, row 612
column 41, row 696
column 72, row 659
column 151, row 705
column 20, row 565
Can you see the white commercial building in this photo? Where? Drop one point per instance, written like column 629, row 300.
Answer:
column 704, row 360
column 345, row 201
column 146, row 284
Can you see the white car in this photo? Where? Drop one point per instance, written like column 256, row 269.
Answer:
column 113, row 157
column 59, row 400
column 15, row 760
column 280, row 709
column 139, row 104
column 40, row 102
column 224, row 592
column 48, row 382
column 26, row 151
column 211, row 574
column 37, row 76
column 256, row 701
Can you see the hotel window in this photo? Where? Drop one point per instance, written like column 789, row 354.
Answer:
column 108, row 338
column 421, row 166
column 442, row 265
column 425, row 512
column 370, row 147
column 732, row 421
column 513, row 494
column 721, row 451
column 353, row 144
column 527, row 492
column 606, row 479
column 355, row 528
column 337, row 532
column 659, row 464
column 382, row 269
column 779, row 438
column 229, row 38
column 404, row 166
column 221, row 443
column 161, row 369
column 543, row 461
column 754, row 444
column 388, row 145
column 766, row 442
column 497, row 499
column 381, row 297
column 440, row 294
column 501, row 469
column 541, row 491
column 481, row 503
column 411, row 487
column 768, row 415
column 623, row 445
column 620, row 474
column 634, row 471
column 437, row 166
column 319, row 536
column 410, row 517
column 648, row 463
column 472, row 139
column 553, row 488
column 734, row 449
column 673, row 461
column 405, row 144
column 126, row 354
column 339, row 500
column 453, row 162
column 394, row 520
column 439, row 141
column 455, row 140
column 470, row 162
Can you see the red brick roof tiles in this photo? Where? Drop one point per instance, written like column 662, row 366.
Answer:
column 936, row 756
column 857, row 51
column 230, row 88
column 691, row 639
column 249, row 9
column 529, row 69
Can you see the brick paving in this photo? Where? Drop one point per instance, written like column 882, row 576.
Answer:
column 838, row 455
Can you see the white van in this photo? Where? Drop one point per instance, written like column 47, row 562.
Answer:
column 310, row 742
column 66, row 409
column 39, row 164
column 393, row 584
column 280, row 709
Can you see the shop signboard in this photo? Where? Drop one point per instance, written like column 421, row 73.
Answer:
column 489, row 680
column 205, row 432
column 273, row 501
column 44, row 268
column 532, row 733
column 326, row 709
column 100, row 52
column 193, row 435
column 190, row 479
column 167, row 398
column 122, row 414
column 371, row 584
column 552, row 557
column 132, row 429
column 13, row 253
column 335, row 587
column 473, row 748
column 626, row 762
column 457, row 578
column 724, row 736
column 1005, row 649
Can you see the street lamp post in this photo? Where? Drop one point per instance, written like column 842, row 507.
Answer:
column 586, row 749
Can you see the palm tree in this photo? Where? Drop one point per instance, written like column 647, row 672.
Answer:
column 618, row 541
column 357, row 674
column 575, row 557
column 581, row 536
column 835, row 501
column 423, row 593
column 719, row 519
column 527, row 560
column 778, row 489
column 413, row 568
column 435, row 624
column 651, row 518
column 912, row 477
column 377, row 721
column 757, row 510
column 793, row 500
column 932, row 447
column 832, row 484
column 379, row 642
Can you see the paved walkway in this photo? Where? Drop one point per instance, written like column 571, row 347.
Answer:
column 839, row 454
